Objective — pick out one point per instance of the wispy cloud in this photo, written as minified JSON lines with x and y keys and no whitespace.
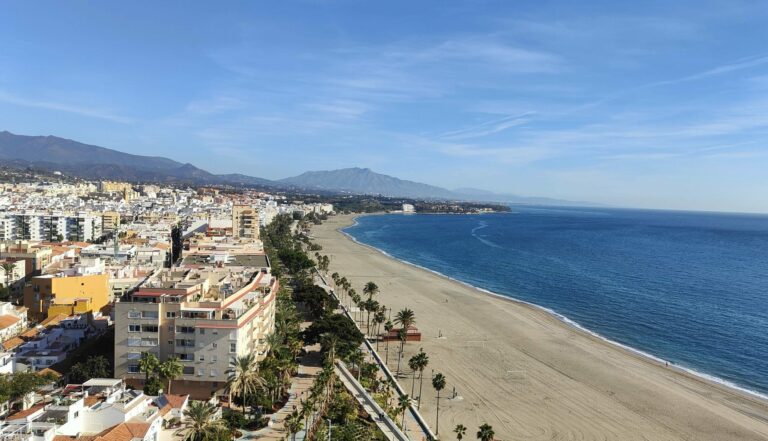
{"x":737,"y":65}
{"x":489,"y":127}
{"x":62,"y":107}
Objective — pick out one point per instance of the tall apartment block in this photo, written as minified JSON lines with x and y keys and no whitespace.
{"x":209,"y":310}
{"x":245,"y":222}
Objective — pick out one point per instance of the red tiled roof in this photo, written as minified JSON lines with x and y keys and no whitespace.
{"x":53,"y":321}
{"x":25,"y":413}
{"x":12,"y":343}
{"x":7,"y":320}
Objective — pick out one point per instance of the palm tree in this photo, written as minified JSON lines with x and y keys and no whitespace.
{"x":402,"y":335}
{"x":485,"y":433}
{"x":423,"y":362}
{"x":405,"y":318}
{"x":413,"y":363}
{"x":8,"y":268}
{"x":379,"y":317}
{"x":370,"y":306}
{"x":387,"y":327}
{"x":371,"y":289}
{"x":201,"y":423}
{"x":293,"y":424}
{"x":402,"y":406}
{"x":460,"y":431}
{"x":148,"y":364}
{"x":357,"y":358}
{"x":243,"y":378}
{"x":438,"y":382}
{"x":170,"y":370}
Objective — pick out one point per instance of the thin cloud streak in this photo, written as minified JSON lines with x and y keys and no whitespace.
{"x":61,"y":107}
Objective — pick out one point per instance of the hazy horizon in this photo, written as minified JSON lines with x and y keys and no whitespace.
{"x":648,"y":106}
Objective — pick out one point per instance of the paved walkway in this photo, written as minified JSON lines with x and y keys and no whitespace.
{"x":309,"y":367}
{"x":415,"y":426}
{"x":382,"y":420}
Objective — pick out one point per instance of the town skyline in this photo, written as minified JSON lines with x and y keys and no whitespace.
{"x":579,"y":103}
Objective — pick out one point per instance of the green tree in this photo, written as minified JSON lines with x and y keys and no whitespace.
{"x":485,"y":433}
{"x":93,"y":367}
{"x":422,"y":363}
{"x":438,"y":382}
{"x":170,"y":370}
{"x":243,"y":377}
{"x":371,"y":289}
{"x":402,"y":406}
{"x":148,"y":364}
{"x":460,"y":431}
{"x":8,"y":268}
{"x":348,"y":336}
{"x":293,"y":424}
{"x":201,"y":423}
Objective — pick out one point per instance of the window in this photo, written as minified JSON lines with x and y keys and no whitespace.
{"x":133,"y":355}
{"x":185,"y":329}
{"x":187,"y":357}
{"x":170,"y":328}
{"x":233,"y":335}
{"x":134,"y":328}
{"x":133,"y":369}
{"x":170,"y":314}
{"x":214,"y":372}
{"x":202,"y":331}
{"x":149,"y":328}
{"x":215,"y":345}
{"x":201,"y":358}
{"x":149,"y":342}
{"x":185,"y":343}
{"x":201,"y":344}
{"x":200,"y":372}
{"x":149,"y":314}
{"x":214,"y":358}
{"x":232,"y":348}
{"x":134,"y":314}
{"x":170,"y":342}
{"x":134,"y":342}
{"x":215,"y":332}
{"x":189,"y":370}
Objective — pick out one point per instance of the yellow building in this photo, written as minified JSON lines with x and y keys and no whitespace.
{"x":47,"y":296}
{"x":110,"y":220}
{"x":245,"y":222}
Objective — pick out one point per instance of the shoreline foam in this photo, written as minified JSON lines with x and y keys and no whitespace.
{"x":563,"y":319}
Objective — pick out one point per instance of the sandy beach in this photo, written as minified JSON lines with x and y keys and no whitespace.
{"x":531,"y":376}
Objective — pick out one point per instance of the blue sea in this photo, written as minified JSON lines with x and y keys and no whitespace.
{"x":689,"y":288}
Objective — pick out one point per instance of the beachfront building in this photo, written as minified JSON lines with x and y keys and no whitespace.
{"x":215,"y":306}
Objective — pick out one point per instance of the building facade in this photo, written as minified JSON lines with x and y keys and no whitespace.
{"x":212,"y":308}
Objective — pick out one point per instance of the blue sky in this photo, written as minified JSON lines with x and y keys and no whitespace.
{"x":647,"y":104}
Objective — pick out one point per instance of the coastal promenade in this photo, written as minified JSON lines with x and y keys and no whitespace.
{"x":533,"y":377}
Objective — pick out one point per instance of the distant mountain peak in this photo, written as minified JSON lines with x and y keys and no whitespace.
{"x":361,"y":180}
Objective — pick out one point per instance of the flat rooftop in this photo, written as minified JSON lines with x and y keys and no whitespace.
{"x":246,"y":260}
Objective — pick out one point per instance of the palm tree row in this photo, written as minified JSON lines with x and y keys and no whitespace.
{"x":156,"y":372}
{"x":484,"y":433}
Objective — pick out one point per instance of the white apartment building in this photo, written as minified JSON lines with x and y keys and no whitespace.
{"x":50,"y":226}
{"x":102,"y":409}
{"x":212,"y":308}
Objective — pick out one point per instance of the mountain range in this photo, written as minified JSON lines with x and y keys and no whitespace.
{"x":93,"y":162}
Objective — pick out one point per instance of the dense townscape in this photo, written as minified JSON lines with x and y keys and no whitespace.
{"x":155,"y":312}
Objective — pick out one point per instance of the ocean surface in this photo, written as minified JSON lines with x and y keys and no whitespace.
{"x":689,"y":288}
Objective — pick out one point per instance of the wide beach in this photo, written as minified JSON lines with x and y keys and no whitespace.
{"x":530,"y":375}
